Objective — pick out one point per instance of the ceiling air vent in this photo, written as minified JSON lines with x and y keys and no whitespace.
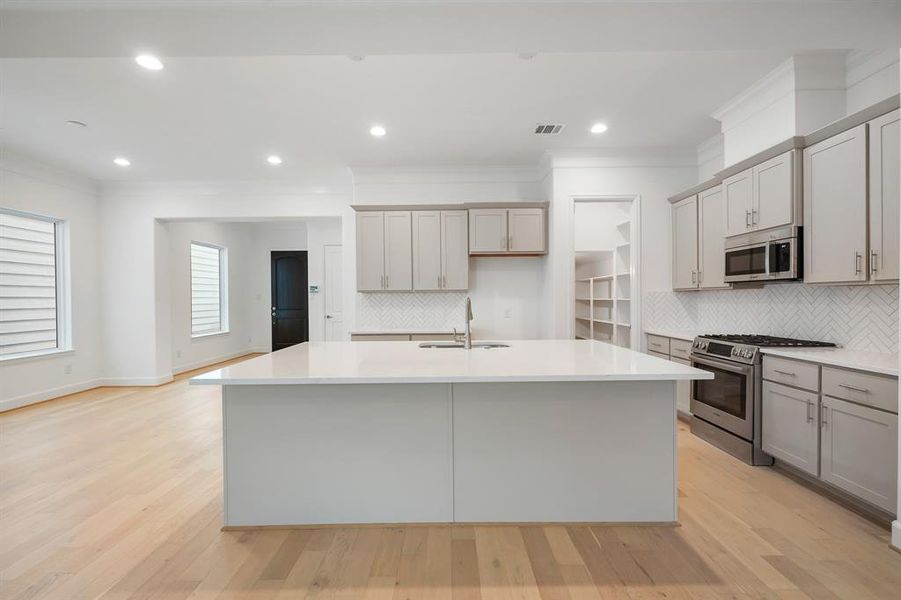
{"x":549,"y":128}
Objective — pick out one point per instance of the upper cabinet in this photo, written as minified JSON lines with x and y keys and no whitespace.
{"x":685,"y":244}
{"x":508,"y":230}
{"x":440,"y":251}
{"x":738,"y":192}
{"x":851,"y":204}
{"x":835,"y":208}
{"x":711,"y":233}
{"x":885,"y":196}
{"x":487,"y":230}
{"x":698,"y":233}
{"x":762,"y":196}
{"x":429,"y":249}
{"x":384,"y":251}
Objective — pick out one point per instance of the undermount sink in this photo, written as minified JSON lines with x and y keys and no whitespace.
{"x":487,"y":345}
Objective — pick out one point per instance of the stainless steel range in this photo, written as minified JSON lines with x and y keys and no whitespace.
{"x":726,"y":409}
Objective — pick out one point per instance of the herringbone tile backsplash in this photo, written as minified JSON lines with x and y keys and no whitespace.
{"x":410,"y":310}
{"x":860,"y":317}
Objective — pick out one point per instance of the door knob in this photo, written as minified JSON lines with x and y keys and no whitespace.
{"x":328,"y":316}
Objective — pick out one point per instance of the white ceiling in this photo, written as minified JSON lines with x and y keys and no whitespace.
{"x":444,"y":78}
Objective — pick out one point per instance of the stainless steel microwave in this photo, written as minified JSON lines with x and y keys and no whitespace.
{"x":773,"y":255}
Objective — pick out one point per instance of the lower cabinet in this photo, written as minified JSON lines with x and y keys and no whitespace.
{"x":860,"y":451}
{"x":789,"y":427}
{"x":850,"y":445}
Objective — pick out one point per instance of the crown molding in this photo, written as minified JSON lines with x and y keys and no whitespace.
{"x":13,"y":161}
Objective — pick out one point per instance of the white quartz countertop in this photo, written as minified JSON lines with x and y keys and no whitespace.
{"x":688,"y":336}
{"x":862,"y":360}
{"x":406,"y":362}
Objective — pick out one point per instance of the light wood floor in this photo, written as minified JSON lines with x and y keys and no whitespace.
{"x":115,"y":493}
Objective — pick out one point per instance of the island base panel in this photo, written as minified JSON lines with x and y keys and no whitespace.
{"x":440,"y":453}
{"x":565,"y":452}
{"x":318,"y":454}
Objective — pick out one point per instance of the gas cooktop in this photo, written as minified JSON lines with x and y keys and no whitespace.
{"x":768,"y":341}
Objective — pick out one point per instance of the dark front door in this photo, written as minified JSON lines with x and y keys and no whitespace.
{"x":290,"y":303}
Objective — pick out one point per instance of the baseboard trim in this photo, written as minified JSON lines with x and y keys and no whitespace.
{"x":51,"y":394}
{"x":896,"y":534}
{"x":212,"y":361}
{"x":67,"y":390}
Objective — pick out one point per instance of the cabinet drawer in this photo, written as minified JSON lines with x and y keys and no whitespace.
{"x":658,"y":344}
{"x":679,"y":349}
{"x":792,"y":372}
{"x":658,"y":355}
{"x":862,"y":388}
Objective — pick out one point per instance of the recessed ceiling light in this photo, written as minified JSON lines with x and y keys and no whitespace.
{"x":122,"y":162}
{"x":274,"y":159}
{"x":599,"y":128}
{"x":377,"y":131}
{"x":149,"y":62}
{"x":74,"y":123}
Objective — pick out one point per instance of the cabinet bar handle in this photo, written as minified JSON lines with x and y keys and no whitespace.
{"x":854,"y":389}
{"x":857,"y":258}
{"x":873,"y":261}
{"x":822,"y":415}
{"x":789,"y":374}
{"x":747,"y":218}
{"x":439,"y":282}
{"x":386,"y":282}
{"x":510,"y":243}
{"x":809,"y":415}
{"x":383,"y":281}
{"x":753,"y":217}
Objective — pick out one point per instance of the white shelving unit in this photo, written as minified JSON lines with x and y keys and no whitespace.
{"x":603,"y":282}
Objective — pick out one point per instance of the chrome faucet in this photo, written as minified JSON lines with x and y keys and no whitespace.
{"x":467,"y":339}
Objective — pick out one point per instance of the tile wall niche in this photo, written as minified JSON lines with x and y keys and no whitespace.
{"x":861,"y":317}
{"x":409,"y":310}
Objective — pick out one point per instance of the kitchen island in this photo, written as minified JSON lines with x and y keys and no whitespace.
{"x":388,"y":432}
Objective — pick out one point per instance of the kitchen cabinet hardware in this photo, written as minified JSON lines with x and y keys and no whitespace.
{"x":786,"y":373}
{"x":857,"y":257}
{"x":854,"y":389}
{"x":873,"y":261}
{"x":823,"y":421}
{"x":747,"y":218}
{"x":809,"y":411}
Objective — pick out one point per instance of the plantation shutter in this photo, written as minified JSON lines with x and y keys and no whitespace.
{"x":28,"y":297}
{"x":206,"y":298}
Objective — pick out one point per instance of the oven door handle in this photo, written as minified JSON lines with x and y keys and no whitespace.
{"x":724,"y":365}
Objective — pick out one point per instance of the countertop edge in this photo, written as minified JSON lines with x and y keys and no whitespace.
{"x":446,"y":380}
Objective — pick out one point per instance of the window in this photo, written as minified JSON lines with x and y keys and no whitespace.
{"x":34,"y":292}
{"x":209,"y":290}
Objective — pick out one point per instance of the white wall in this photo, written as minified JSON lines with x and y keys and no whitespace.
{"x":653,"y":183}
{"x":129,"y":214}
{"x":305,"y":234}
{"x":186,"y":351}
{"x":872,"y":75}
{"x":30,"y":187}
{"x":801,"y":95}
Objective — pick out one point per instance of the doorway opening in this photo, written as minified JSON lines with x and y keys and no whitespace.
{"x":606,"y":282}
{"x":290,"y":299}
